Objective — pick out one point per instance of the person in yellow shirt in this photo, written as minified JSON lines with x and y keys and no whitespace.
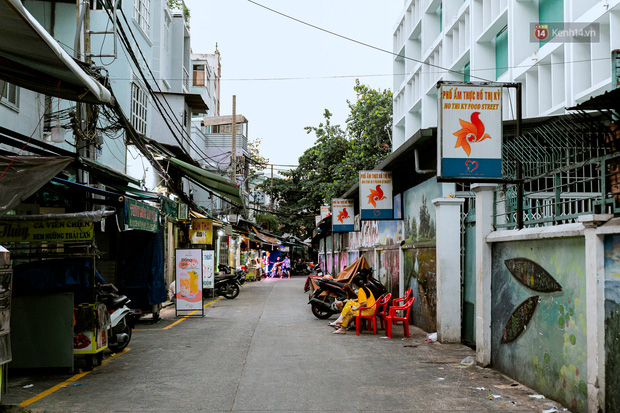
{"x":351,"y":308}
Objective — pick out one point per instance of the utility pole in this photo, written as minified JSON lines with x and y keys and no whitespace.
{"x":233,"y":155}
{"x":271,"y":197}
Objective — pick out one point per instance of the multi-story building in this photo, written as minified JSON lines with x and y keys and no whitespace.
{"x":494,"y":40}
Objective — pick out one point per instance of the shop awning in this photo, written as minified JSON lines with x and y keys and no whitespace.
{"x":266,"y":238}
{"x":31,"y":58}
{"x":25,"y":175}
{"x":213,"y":182}
{"x":193,"y":100}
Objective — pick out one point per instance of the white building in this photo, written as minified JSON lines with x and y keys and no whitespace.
{"x":492,"y":40}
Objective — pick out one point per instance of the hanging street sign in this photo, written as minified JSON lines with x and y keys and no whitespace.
{"x":375,"y":189}
{"x":470,"y":131}
{"x":343,"y":218}
{"x":201,"y":231}
{"x":325,"y":211}
{"x":139,"y":215}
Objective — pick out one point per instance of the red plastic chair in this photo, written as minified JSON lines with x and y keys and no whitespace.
{"x":370,"y":318}
{"x":381,"y":312}
{"x":393,"y":318}
{"x":403,"y":300}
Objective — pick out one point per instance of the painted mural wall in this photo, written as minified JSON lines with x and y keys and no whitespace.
{"x":538,"y":326}
{"x":420,"y":274}
{"x":388,"y":272}
{"x":419,"y":211}
{"x":612,"y":323}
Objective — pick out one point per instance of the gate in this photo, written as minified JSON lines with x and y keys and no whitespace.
{"x":468,"y":266}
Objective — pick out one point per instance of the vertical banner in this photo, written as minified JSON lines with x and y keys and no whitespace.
{"x":208,"y":269}
{"x":317,"y":219}
{"x":376,"y":202}
{"x":470,"y":131}
{"x":343,"y":218}
{"x":201,"y":231}
{"x":325,"y":211}
{"x":188,"y":279}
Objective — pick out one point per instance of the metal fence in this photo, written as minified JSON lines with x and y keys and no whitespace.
{"x":569,"y":168}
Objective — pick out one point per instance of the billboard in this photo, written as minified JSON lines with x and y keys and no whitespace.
{"x":470,"y":131}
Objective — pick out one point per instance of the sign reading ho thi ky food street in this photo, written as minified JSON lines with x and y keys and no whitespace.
{"x":470,"y":131}
{"x":376,"y":202}
{"x":343,"y":218}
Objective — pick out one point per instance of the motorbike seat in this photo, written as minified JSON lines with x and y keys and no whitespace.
{"x":335,"y":283}
{"x":220,"y":277}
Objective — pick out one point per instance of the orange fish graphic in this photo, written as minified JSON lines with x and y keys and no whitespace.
{"x":472,"y":132}
{"x":343,"y":215}
{"x":375,"y":195}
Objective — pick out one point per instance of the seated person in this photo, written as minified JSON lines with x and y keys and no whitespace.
{"x":351,"y":308}
{"x":351,"y":295}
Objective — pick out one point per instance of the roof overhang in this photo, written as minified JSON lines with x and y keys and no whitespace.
{"x":31,"y":58}
{"x":211,"y":181}
{"x":608,"y":100}
{"x":193,"y":100}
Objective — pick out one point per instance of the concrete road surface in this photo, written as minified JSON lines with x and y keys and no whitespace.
{"x":266,"y":352}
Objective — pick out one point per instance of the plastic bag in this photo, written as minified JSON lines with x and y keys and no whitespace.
{"x":432,"y":337}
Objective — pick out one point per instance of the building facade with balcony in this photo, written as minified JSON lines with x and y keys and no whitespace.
{"x":493,"y":40}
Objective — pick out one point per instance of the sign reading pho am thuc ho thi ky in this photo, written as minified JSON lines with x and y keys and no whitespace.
{"x":470,"y":131}
{"x":375,"y":189}
{"x":343,"y":217}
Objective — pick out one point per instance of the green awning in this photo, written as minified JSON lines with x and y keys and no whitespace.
{"x":211,"y":181}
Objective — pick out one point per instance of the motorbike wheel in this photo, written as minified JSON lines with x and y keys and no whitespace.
{"x":319,"y":313}
{"x":232,"y":292}
{"x":122,"y":327}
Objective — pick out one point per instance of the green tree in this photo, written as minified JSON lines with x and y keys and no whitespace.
{"x":258,"y":162}
{"x":330,"y":167}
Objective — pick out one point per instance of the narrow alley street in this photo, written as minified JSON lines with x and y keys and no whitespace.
{"x":265,"y":351}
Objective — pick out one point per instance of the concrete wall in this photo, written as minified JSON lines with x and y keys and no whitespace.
{"x":612,"y":322}
{"x":538,"y":326}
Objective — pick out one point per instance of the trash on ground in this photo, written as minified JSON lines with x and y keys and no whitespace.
{"x":468,"y":361}
{"x":440,"y":378}
{"x":508,"y":386}
{"x":409,"y":345}
{"x":493,"y":396}
{"x":537,"y":396}
{"x":551,"y":410}
{"x":80,"y":384}
{"x":27,"y":386}
{"x":432,"y":337}
{"x":384,"y":337}
{"x":479,"y":388}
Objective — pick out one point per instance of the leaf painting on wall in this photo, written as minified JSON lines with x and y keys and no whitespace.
{"x":519,"y":319}
{"x":532,"y":275}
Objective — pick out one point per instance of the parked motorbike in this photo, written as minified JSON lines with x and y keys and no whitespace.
{"x":119,"y":333}
{"x":301,"y":267}
{"x":239,"y":274}
{"x":226,"y":285}
{"x":322,"y":300}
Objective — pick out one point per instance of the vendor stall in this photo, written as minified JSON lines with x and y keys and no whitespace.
{"x":55,"y":313}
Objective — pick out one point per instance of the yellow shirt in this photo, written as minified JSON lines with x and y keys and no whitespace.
{"x":361,"y":297}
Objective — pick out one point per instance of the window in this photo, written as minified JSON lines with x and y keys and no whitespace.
{"x":501,"y":52}
{"x":550,"y":11}
{"x":9,"y":94}
{"x":139,"y":102}
{"x":466,"y":72}
{"x":199,"y":75}
{"x":142,"y":14}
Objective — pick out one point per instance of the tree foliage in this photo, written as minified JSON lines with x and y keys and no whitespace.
{"x":330,"y":167}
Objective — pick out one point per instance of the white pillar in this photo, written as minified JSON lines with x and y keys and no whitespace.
{"x":484,"y":226}
{"x":595,"y":309}
{"x":448,"y":233}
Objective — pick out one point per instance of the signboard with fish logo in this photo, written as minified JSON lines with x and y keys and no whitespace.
{"x":470,"y":131}
{"x":376,"y":201}
{"x":343,"y":218}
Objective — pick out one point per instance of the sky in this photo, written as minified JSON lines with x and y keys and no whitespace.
{"x":284,"y":73}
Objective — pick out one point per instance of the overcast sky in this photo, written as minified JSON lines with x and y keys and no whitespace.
{"x":285,"y":73}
